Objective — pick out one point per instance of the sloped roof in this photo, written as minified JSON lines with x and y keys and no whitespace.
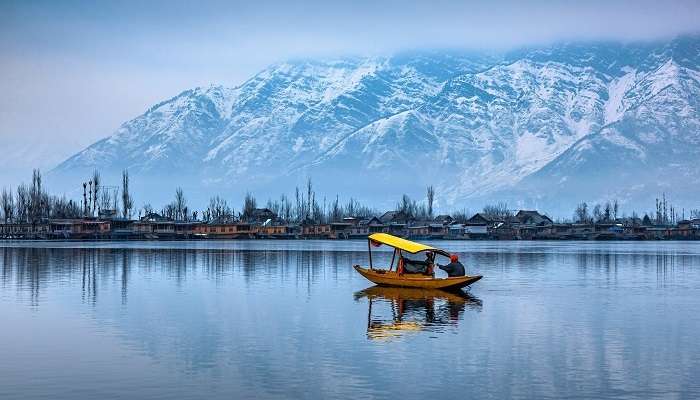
{"x":532,"y":217}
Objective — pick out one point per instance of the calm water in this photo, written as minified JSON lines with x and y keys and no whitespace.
{"x":291,"y":319}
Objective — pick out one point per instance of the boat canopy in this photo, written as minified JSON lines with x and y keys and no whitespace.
{"x":399,"y":243}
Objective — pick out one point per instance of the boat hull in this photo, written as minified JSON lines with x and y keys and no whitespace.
{"x":392,"y":278}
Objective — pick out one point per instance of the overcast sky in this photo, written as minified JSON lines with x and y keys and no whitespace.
{"x":72,"y":72}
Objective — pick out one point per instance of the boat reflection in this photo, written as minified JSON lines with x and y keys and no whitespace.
{"x":394,"y":311}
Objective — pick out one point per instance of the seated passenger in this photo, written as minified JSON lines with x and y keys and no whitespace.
{"x":454,"y":268}
{"x":414,"y":266}
{"x":419,"y":267}
{"x":430,"y":263}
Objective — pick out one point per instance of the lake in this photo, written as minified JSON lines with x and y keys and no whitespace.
{"x":292,"y":319}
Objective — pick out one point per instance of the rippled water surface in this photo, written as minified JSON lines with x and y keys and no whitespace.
{"x":292,"y":319}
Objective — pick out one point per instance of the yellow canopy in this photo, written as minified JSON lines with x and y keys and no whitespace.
{"x":399,"y":243}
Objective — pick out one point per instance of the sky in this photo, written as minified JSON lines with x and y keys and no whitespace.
{"x":71,"y":72}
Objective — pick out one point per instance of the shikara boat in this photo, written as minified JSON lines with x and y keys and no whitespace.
{"x":399,"y":276}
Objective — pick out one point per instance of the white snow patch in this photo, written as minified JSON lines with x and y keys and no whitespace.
{"x":326,"y":143}
{"x":298,"y":145}
{"x":342,"y":80}
{"x":529,"y":148}
{"x":614,"y":107}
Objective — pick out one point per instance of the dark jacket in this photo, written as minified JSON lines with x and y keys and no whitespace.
{"x":453,"y":269}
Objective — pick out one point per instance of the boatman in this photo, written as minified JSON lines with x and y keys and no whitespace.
{"x":454,"y":268}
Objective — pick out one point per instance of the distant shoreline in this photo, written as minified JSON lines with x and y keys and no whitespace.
{"x":4,"y":241}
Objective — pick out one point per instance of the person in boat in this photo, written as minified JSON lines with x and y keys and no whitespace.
{"x":418,"y":266}
{"x":430,"y":263}
{"x":454,"y":268}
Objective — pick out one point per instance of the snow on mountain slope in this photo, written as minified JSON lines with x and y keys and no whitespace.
{"x":167,"y":136}
{"x":478,"y":126}
{"x":653,"y":147}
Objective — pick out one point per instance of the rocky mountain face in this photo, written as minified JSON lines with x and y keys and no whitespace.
{"x":544,"y":127}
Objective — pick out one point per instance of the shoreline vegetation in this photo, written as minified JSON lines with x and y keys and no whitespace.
{"x":108,"y":213}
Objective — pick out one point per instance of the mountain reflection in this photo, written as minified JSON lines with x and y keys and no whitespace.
{"x":413,"y":310}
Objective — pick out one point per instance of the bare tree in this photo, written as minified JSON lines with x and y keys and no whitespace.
{"x":431,"y":198}
{"x":22,"y":203}
{"x":336,"y":211}
{"x":607,"y":212}
{"x":38,"y":200}
{"x":286,"y":206}
{"x":85,"y":202}
{"x":180,"y":204}
{"x":355,"y":209}
{"x":96,"y":184}
{"x":127,"y":200}
{"x":219,"y":210}
{"x":64,"y":208}
{"x":115,"y":202}
{"x":597,"y":214}
{"x":90,"y":198}
{"x":461,"y":216}
{"x":665,"y":209}
{"x":249,"y":204}
{"x":307,"y":210}
{"x":581,"y":213}
{"x":406,"y":206}
{"x":316,"y":210}
{"x":169,"y":211}
{"x":274,"y":206}
{"x":35,"y":197}
{"x":351,"y":208}
{"x":7,"y":204}
{"x":297,"y":205}
{"x":105,"y":200}
{"x":499,"y":210}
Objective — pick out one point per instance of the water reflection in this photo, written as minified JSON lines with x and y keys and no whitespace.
{"x":291,"y":320}
{"x":31,"y":269}
{"x":413,"y":310}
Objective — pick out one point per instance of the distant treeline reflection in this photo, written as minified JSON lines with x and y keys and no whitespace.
{"x":30,"y":269}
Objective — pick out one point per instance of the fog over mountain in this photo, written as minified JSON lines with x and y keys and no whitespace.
{"x":538,"y":127}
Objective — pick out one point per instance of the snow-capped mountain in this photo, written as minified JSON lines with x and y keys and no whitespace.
{"x":537,"y":127}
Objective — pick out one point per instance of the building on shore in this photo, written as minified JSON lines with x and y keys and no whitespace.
{"x":264,"y":224}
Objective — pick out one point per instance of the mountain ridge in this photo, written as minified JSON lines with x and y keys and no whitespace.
{"x":480,"y":127}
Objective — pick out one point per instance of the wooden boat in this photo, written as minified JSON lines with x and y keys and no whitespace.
{"x":393,"y":278}
{"x":399,"y":277}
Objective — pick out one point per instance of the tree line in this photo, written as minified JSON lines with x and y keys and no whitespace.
{"x":30,"y":203}
{"x":664,"y":213}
